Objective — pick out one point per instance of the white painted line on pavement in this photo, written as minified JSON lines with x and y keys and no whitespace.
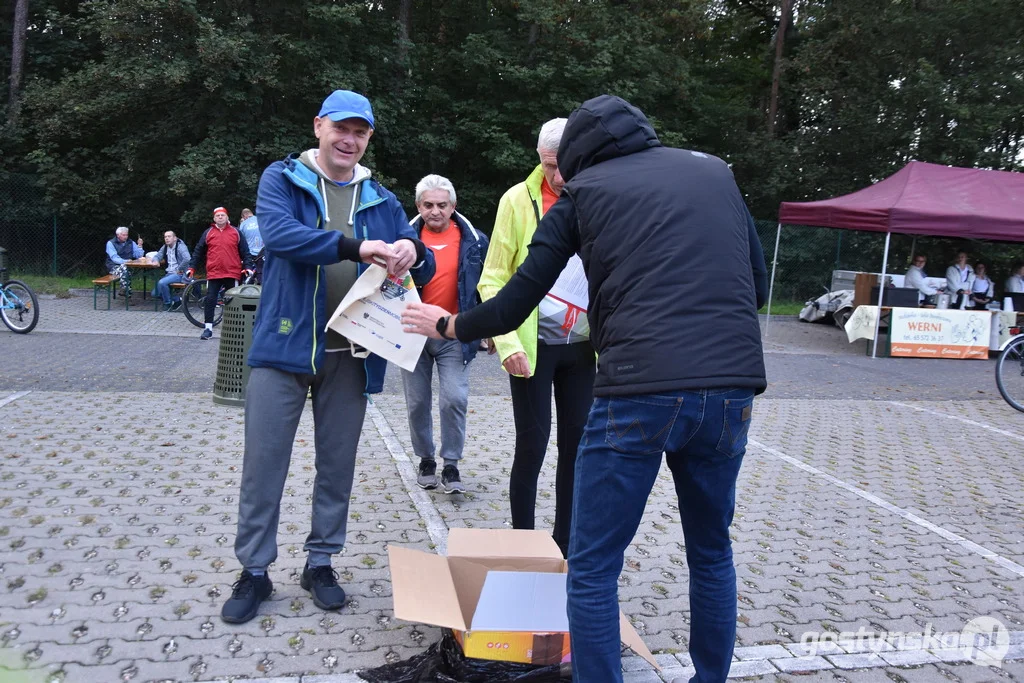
{"x":967,"y":545}
{"x":973,"y":423}
{"x":13,"y":397}
{"x":436,"y":527}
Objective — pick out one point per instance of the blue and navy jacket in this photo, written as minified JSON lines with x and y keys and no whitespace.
{"x":472,"y":252}
{"x":289,"y":333}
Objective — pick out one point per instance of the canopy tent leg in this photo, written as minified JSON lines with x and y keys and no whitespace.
{"x":771,"y":286}
{"x":913,"y":248}
{"x":881,"y":291}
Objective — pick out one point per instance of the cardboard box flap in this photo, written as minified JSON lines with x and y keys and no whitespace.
{"x":501,"y":543}
{"x":632,"y":639}
{"x":533,"y":602}
{"x":469,"y":575}
{"x":423,"y":589}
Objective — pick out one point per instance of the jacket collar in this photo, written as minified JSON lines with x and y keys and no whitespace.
{"x":461,"y":222}
{"x":302,"y":176}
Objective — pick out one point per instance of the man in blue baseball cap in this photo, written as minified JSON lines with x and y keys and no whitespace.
{"x":322,"y":220}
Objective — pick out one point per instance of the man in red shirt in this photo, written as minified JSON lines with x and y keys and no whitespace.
{"x":223,"y":253}
{"x":459,"y":250}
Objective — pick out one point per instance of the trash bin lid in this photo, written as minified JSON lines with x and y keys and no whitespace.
{"x":244,"y":291}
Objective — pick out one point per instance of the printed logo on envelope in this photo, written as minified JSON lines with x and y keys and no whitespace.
{"x":395,"y":287}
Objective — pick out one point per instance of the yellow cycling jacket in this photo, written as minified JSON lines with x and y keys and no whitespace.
{"x":519,"y":211}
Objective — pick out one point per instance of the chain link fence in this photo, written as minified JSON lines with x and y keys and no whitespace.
{"x":42,"y":240}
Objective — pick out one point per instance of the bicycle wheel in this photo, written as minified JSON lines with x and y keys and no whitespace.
{"x":193,"y":303}
{"x":1010,"y":373}
{"x":19,"y":308}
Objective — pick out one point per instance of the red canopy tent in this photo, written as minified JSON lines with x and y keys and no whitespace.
{"x":920,"y":199}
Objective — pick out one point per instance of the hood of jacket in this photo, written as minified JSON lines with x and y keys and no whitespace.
{"x":603,"y":128}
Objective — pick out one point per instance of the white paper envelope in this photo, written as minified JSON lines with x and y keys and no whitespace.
{"x":370,"y":315}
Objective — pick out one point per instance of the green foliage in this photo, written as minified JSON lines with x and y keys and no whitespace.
{"x":151,"y":112}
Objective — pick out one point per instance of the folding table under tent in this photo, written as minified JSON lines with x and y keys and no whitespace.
{"x":919,"y":199}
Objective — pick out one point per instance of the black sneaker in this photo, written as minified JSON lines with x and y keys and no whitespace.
{"x":246,"y":595}
{"x":207,"y":334}
{"x":427,"y":478}
{"x":451,"y":481}
{"x":176,"y":306}
{"x":322,"y":583}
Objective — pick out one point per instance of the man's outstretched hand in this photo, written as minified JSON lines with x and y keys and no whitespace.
{"x":422,"y":319}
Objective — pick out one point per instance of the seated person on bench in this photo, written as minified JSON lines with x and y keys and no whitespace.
{"x":916,"y":278}
{"x":119,"y":250}
{"x":175,"y":253}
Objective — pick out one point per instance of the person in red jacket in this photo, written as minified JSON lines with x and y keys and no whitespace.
{"x":223,"y":253}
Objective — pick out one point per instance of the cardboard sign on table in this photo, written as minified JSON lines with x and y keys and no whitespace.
{"x":370,"y":316}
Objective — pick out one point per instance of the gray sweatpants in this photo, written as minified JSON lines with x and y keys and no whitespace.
{"x":273,"y":406}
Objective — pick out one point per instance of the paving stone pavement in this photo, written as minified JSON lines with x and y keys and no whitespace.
{"x":118,"y":540}
{"x":882,"y":514}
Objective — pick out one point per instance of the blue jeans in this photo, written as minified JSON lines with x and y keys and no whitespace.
{"x":453,"y":381}
{"x":163,"y":287}
{"x":704,"y":436}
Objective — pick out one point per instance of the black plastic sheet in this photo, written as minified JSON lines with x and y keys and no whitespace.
{"x":443,"y":662}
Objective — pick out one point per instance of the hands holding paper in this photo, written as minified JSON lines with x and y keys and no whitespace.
{"x":398,"y":258}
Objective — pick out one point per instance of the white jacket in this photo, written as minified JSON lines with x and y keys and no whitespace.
{"x":915,"y":278}
{"x":1014,"y":284}
{"x":989,"y":290}
{"x":954,"y":281}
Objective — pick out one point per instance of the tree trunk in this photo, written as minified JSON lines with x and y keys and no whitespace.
{"x":17,"y":59}
{"x":780,"y":39}
{"x":404,"y":29}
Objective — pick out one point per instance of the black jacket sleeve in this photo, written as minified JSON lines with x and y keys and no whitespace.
{"x":198,"y":261}
{"x":757,"y":265}
{"x":554,"y":243}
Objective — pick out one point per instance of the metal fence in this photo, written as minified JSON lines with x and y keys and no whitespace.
{"x":41,"y":240}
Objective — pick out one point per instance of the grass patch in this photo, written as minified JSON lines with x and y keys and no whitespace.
{"x":46,"y":284}
{"x":784,"y":307}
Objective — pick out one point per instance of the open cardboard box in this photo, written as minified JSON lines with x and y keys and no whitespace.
{"x":524,"y":616}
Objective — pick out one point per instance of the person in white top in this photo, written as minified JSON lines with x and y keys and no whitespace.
{"x":916,"y":278}
{"x":959,"y":280}
{"x":1015,"y":283}
{"x":982,"y":290}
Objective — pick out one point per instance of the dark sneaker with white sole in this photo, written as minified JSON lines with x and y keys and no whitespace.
{"x":206,"y":334}
{"x":450,"y":480}
{"x":322,"y":583}
{"x":246,"y":595}
{"x":427,"y":477}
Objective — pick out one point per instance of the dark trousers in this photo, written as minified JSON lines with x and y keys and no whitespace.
{"x":703,"y":435}
{"x":569,"y":368}
{"x":213,"y":290}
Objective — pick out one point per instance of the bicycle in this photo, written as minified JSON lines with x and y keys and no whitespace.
{"x":19,"y":307}
{"x":193,"y":299}
{"x":1010,"y":371}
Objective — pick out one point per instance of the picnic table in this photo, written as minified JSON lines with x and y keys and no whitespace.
{"x":141,"y":265}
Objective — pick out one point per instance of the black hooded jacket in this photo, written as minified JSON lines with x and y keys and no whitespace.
{"x":674,"y":266}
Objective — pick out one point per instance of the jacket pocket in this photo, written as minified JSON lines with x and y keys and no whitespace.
{"x":641,"y":425}
{"x":736,"y":414}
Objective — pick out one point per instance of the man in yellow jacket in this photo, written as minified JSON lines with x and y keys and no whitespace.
{"x":550,"y":350}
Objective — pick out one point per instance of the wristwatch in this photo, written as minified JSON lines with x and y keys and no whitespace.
{"x":442,"y":327}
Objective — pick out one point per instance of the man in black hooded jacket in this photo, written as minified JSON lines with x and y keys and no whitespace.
{"x":676,"y":276}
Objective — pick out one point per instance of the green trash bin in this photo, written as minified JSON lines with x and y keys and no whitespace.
{"x":240,"y":305}
{"x":3,"y":265}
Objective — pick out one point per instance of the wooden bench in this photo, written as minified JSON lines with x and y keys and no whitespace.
{"x":108,"y":282}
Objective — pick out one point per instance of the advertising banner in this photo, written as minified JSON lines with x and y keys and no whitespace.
{"x":940,"y":333}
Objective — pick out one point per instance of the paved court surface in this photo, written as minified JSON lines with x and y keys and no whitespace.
{"x":877,"y":498}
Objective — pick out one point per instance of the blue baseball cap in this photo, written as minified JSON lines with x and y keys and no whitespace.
{"x":345,"y":104}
